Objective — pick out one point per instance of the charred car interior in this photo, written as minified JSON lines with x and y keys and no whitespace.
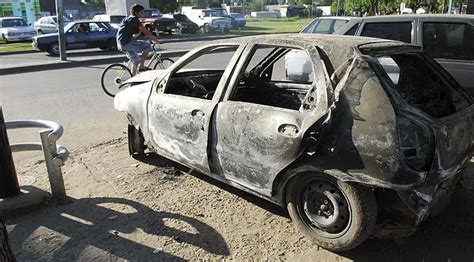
{"x":353,"y":136}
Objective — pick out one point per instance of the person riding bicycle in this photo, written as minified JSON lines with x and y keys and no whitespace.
{"x":126,"y":42}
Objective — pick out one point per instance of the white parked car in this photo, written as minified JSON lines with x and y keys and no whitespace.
{"x":15,"y":29}
{"x":49,"y":24}
{"x":114,"y":20}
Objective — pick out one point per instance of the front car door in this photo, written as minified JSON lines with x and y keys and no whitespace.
{"x":97,"y":35}
{"x":181,"y":105}
{"x":75,"y":38}
{"x":260,"y":125}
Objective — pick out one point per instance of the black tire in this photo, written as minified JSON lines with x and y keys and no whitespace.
{"x":111,"y":44}
{"x":206,"y":28}
{"x":136,"y":142}
{"x":6,"y":253}
{"x":113,"y":77}
{"x":163,"y":64}
{"x":335,"y":215}
{"x":53,"y":49}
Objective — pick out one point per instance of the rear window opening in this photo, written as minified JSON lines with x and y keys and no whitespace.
{"x":421,"y":85}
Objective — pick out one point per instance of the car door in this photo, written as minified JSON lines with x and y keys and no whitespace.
{"x":97,"y":35}
{"x":76,"y":39}
{"x":451,"y":43}
{"x":260,"y":126}
{"x":179,"y":111}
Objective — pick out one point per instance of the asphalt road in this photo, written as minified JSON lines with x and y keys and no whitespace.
{"x":38,"y":58}
{"x":72,"y":97}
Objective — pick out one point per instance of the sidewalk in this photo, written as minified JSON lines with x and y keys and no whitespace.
{"x":39,"y":61}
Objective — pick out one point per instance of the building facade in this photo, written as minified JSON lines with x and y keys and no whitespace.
{"x":28,"y":9}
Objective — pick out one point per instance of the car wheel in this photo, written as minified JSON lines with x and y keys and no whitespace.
{"x":337,"y":216}
{"x":206,"y":28}
{"x":53,"y":49}
{"x":136,"y":142}
{"x":111,"y":44}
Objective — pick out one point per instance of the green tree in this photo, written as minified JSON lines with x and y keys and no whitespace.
{"x":165,"y":6}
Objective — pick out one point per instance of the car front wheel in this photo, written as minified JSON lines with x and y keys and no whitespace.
{"x":53,"y":48}
{"x":136,"y":142}
{"x":335,"y":215}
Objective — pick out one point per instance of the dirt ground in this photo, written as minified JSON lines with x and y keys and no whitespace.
{"x":121,"y":208}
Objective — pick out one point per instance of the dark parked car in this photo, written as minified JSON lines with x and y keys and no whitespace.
{"x":238,"y":20}
{"x":154,"y":21}
{"x":85,"y":34}
{"x":187,"y":26}
{"x":349,"y":151}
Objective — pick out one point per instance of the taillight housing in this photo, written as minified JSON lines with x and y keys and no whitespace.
{"x":416,"y":144}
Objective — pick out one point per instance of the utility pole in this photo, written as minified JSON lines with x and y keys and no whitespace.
{"x":62,"y":39}
{"x":8,"y":180}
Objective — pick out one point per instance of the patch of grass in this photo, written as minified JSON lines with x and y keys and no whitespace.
{"x":15,"y":46}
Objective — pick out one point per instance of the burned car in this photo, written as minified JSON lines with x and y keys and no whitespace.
{"x":348,"y":149}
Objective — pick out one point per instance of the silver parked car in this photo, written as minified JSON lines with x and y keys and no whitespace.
{"x":15,"y":29}
{"x":49,"y":24}
{"x":337,"y":143}
{"x":447,"y":38}
{"x":326,"y":25}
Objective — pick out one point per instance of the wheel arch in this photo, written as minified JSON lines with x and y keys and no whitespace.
{"x":281,"y":181}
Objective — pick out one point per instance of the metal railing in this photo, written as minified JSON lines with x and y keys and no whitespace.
{"x":54,"y":155}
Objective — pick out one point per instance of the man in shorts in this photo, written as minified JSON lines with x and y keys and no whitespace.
{"x":126,"y":42}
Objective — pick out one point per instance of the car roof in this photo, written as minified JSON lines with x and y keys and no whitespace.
{"x":338,"y":47}
{"x":445,"y":17}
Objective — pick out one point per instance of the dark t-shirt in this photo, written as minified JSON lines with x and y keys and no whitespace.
{"x":127,"y":28}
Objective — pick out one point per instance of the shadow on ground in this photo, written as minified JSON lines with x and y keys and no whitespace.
{"x":447,"y":237}
{"x":156,"y":160}
{"x":68,"y":232}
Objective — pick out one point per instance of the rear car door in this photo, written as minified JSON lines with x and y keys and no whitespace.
{"x":261,"y":123}
{"x":181,"y":107}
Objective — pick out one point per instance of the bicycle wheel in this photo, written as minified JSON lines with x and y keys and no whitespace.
{"x":163,"y":63}
{"x":113,"y":78}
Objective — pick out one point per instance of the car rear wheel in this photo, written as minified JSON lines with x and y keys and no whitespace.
{"x":53,"y":48}
{"x":337,"y":216}
{"x":111,"y":44}
{"x":163,"y":63}
{"x":136,"y":142}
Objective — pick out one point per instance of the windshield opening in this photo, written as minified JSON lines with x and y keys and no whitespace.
{"x":421,"y":85}
{"x":13,"y":22}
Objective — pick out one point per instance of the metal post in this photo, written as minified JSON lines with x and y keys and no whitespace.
{"x":61,"y":38}
{"x":53,"y":165}
{"x":450,"y":5}
{"x":8,"y":180}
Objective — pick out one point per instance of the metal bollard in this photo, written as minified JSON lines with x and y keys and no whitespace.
{"x":8,"y":180}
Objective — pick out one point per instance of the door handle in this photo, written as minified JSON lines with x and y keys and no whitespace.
{"x":288,"y":130}
{"x":197,"y":112}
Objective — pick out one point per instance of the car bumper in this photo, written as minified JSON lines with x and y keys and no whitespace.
{"x":18,"y":38}
{"x":429,"y":198}
{"x":38,"y":47}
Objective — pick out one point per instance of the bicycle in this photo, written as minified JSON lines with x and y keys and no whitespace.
{"x":115,"y":75}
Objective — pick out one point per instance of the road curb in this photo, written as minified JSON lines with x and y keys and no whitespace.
{"x":164,"y":40}
{"x":72,"y":64}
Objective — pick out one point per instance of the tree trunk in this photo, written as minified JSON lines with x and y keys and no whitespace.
{"x":5,"y":250}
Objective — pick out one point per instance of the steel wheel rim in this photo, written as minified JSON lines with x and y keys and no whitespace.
{"x":325,"y":208}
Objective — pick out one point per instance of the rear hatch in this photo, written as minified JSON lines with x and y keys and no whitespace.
{"x":436,"y":112}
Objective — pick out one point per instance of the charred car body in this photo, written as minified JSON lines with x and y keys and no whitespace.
{"x":349,"y":150}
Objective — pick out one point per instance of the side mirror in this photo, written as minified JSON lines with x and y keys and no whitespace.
{"x":29,"y":24}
